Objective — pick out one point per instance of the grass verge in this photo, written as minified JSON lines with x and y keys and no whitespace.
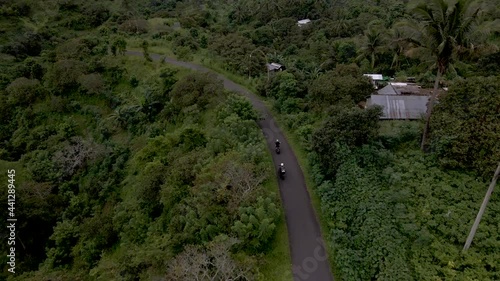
{"x":202,"y":57}
{"x":274,"y":265}
{"x":205,"y":59}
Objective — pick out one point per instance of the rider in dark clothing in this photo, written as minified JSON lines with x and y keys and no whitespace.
{"x":278,"y":143}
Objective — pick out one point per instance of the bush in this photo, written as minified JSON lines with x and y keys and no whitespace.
{"x":31,"y":68}
{"x":73,"y":49}
{"x":257,"y":224}
{"x":23,"y":91}
{"x":196,"y":88}
{"x":183,"y":53}
{"x":21,"y":9}
{"x":118,"y":46}
{"x":28,"y":44}
{"x":182,"y":40}
{"x":348,"y":127}
{"x":134,"y":82}
{"x":96,"y":14}
{"x":235,"y":50}
{"x":192,"y":138}
{"x":138,"y":26}
{"x":464,"y":125}
{"x":40,"y":166}
{"x":238,"y":105}
{"x":288,"y":105}
{"x":64,"y":74}
{"x":330,"y":89}
{"x":92,"y":83}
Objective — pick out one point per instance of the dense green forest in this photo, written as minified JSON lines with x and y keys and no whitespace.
{"x":125,"y":167}
{"x":129,"y":169}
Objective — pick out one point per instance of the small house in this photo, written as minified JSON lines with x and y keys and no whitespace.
{"x":303,"y":22}
{"x":275,"y":67}
{"x":376,"y":79}
{"x":395,"y":88}
{"x":396,"y":106}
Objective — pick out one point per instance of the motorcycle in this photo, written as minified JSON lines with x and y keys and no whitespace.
{"x":281,"y":171}
{"x":278,"y":150}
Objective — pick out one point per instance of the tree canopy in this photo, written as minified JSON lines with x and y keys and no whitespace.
{"x":130,"y":169}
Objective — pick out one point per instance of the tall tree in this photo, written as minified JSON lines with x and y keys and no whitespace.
{"x":397,"y":44}
{"x":443,"y":29}
{"x":373,"y":42}
{"x":464,"y":123}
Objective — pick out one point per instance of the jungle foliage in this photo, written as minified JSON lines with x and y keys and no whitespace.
{"x":394,"y":213}
{"x":132,"y":170}
{"x":125,"y":165}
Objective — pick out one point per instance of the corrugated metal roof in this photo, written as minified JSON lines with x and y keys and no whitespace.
{"x":303,"y":22}
{"x":273,"y":66}
{"x":400,"y":107}
{"x":375,"y":76}
{"x":388,"y":90}
{"x":400,"y":89}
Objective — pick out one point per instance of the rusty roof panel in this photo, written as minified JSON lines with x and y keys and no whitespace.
{"x":399,"y":106}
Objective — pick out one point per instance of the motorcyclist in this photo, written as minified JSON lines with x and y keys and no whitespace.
{"x":281,"y":171}
{"x":277,"y":143}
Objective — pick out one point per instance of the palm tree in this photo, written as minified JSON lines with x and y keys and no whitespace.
{"x":373,"y":42}
{"x":442,"y":29}
{"x":275,"y":57}
{"x":265,"y":10}
{"x":149,"y":104}
{"x":118,"y":117}
{"x":338,"y":19}
{"x":397,"y":44}
{"x":122,"y":114}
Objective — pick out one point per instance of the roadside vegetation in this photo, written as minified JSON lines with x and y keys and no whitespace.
{"x":132,"y":170}
{"x":128,"y":169}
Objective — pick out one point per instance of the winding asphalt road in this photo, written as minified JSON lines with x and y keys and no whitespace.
{"x":309,"y":260}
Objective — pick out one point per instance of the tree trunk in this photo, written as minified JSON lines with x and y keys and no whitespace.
{"x":429,"y":111}
{"x":482,"y":209}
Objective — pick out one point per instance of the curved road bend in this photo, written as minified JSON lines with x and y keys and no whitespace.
{"x":309,"y":261}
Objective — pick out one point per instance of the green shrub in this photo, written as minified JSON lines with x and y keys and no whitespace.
{"x":464,"y":124}
{"x":257,"y":224}
{"x":23,"y":91}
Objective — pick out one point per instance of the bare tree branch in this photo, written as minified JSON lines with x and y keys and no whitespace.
{"x":213,"y":263}
{"x":77,"y":154}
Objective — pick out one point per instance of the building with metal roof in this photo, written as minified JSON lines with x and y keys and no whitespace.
{"x":275,"y":67}
{"x":303,"y":22}
{"x":400,"y":106}
{"x":388,"y":90}
{"x":394,"y":88}
{"x":375,"y":77}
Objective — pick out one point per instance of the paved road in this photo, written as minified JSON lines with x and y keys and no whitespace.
{"x":309,"y":261}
